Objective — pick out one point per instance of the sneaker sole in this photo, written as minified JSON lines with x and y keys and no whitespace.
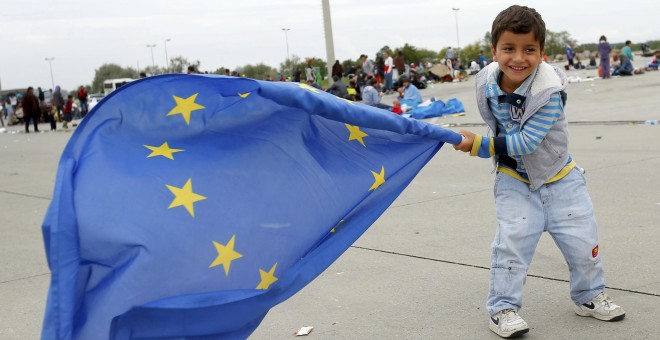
{"x":515,"y":334}
{"x":600,"y":317}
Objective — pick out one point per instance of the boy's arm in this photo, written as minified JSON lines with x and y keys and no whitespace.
{"x":526,"y":140}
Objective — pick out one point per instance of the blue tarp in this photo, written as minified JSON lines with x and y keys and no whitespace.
{"x":437,"y":108}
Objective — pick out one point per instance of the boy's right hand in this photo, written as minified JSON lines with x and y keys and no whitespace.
{"x":466,"y":143}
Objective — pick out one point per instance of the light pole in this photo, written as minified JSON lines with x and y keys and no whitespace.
{"x":50,"y":62}
{"x":167,"y":61}
{"x":286,"y":37}
{"x":458,"y":44}
{"x":153,"y":65}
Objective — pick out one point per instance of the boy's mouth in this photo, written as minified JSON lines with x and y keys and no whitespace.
{"x":517,"y":68}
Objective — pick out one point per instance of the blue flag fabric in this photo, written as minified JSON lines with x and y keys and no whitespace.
{"x":437,"y":108}
{"x":189,"y":205}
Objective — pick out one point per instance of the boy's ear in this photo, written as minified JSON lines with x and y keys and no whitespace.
{"x":492,"y":51}
{"x":542,"y":54}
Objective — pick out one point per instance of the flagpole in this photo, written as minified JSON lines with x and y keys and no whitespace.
{"x":329,"y":45}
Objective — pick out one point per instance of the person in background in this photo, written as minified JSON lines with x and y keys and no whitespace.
{"x":338,"y":88}
{"x":337,"y":69}
{"x":68,"y":111}
{"x":389,"y":69}
{"x":399,"y":66}
{"x":569,"y":56}
{"x":31,"y":110}
{"x":409,"y":91}
{"x":371,"y":97}
{"x":310,"y":73}
{"x":604,"y":50}
{"x":627,"y":51}
{"x":82,"y":97}
{"x":58,"y":101}
{"x":481,"y":60}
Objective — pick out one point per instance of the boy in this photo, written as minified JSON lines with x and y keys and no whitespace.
{"x":538,"y":186}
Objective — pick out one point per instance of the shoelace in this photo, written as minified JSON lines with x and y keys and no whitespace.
{"x":605,"y":299}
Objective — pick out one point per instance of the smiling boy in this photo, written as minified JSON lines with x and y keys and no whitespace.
{"x":538,"y":186}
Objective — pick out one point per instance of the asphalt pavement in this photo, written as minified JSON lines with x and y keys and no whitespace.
{"x":421,"y":271}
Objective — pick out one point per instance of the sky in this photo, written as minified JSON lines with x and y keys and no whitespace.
{"x":83,"y":35}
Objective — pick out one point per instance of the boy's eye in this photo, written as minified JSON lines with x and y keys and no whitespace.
{"x":531,"y":49}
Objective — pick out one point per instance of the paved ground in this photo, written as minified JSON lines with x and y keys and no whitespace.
{"x":421,"y":271}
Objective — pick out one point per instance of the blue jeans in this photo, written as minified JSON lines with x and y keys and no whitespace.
{"x":388,"y":81}
{"x":561,"y":208}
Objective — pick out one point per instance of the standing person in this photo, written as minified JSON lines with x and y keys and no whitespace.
{"x":481,"y":60}
{"x":389,"y":69}
{"x":604,"y":50}
{"x":627,"y":51}
{"x":367,"y":65}
{"x":569,"y":55}
{"x":337,"y":69}
{"x":450,"y":54}
{"x":42,"y":100}
{"x":68,"y":111}
{"x":538,"y":186}
{"x":31,"y":110}
{"x":399,"y":66}
{"x":310,"y":73}
{"x":58,"y":101}
{"x":82,"y":97}
{"x":296,"y":75}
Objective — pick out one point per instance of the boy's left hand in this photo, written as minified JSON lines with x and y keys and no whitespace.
{"x":466,"y":143}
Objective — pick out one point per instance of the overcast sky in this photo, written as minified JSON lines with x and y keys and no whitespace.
{"x":83,"y":35}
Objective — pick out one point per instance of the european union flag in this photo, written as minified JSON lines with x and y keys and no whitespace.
{"x":189,"y":205}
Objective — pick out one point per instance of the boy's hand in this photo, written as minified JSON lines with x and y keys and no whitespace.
{"x":466,"y":143}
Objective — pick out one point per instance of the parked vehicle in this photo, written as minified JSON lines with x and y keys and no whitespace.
{"x":112,"y":84}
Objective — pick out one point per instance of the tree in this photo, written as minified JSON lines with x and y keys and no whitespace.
{"x":258,"y":71}
{"x":555,"y":42}
{"x":470,"y":52}
{"x":110,"y":71}
{"x":179,"y":64}
{"x":288,"y":67}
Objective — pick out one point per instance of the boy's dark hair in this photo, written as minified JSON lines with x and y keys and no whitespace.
{"x":70,"y":96}
{"x":628,"y":42}
{"x":519,"y":19}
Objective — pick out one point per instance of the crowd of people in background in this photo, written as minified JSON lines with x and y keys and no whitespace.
{"x":367,"y":80}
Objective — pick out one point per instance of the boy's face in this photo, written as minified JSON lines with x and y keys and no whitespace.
{"x":518,"y":55}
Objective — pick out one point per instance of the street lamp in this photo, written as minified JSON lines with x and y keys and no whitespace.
{"x":167,"y":61}
{"x":153,"y":65}
{"x":286,"y":37}
{"x":50,"y":62}
{"x":458,"y":44}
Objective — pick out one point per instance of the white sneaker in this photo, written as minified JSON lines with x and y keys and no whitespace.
{"x":602,"y":308}
{"x":508,"y":324}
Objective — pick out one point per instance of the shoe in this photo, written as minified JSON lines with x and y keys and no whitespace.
{"x":602,"y":308}
{"x":508,"y":324}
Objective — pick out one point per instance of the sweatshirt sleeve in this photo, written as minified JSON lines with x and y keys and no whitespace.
{"x":525,"y":140}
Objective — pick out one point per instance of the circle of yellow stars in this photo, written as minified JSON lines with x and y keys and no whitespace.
{"x":185,"y":196}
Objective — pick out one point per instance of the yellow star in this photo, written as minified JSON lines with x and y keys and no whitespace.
{"x":379,"y":179}
{"x":163,"y":150}
{"x":243,"y":95}
{"x":356,"y":134}
{"x":226,"y":254}
{"x":267,"y":278}
{"x":336,"y":226}
{"x":185,"y":197}
{"x":308,"y":88}
{"x":185,"y":106}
